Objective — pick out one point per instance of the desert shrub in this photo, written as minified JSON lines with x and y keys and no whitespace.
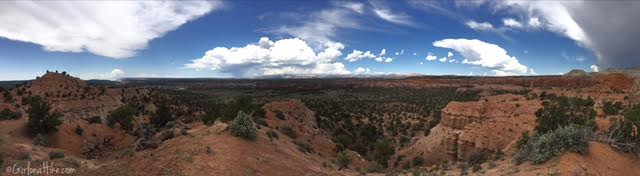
{"x":623,"y":133}
{"x":610,"y":108}
{"x":303,"y":147}
{"x":287,"y":130}
{"x":6,"y":114}
{"x":79,"y":130}
{"x":208,"y":118}
{"x":543,"y":147}
{"x":242,"y":126}
{"x":161,"y":116}
{"x":122,"y":116}
{"x":375,"y":167}
{"x":280,"y":115}
{"x":7,"y":96}
{"x":242,"y":103}
{"x":523,"y":140}
{"x":41,"y":120}
{"x":564,"y":111}
{"x":477,"y":158}
{"x":272,"y":135}
{"x":94,"y":119}
{"x":382,"y":151}
{"x":55,"y":155}
{"x":344,"y":158}
{"x":41,"y":140}
{"x":417,"y":161}
{"x":167,"y":134}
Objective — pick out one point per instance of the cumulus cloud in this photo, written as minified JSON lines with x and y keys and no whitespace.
{"x":361,"y":70}
{"x":117,"y":73}
{"x":113,"y":75}
{"x":116,"y":29}
{"x":443,"y":59}
{"x":594,"y":68}
{"x":477,"y":52}
{"x":359,"y":55}
{"x":285,"y":56}
{"x":449,"y":54}
{"x":430,"y":57}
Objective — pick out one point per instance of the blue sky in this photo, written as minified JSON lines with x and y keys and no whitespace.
{"x":257,"y":38}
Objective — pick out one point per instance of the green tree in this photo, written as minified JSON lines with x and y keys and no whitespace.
{"x":41,"y":120}
{"x":242,"y":126}
{"x":564,"y":111}
{"x":162,"y":116}
{"x":123,"y":116}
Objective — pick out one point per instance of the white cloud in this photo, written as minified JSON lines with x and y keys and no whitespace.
{"x":361,"y":70}
{"x":286,"y":56}
{"x":532,"y":72}
{"x":430,"y":57}
{"x":415,"y":54}
{"x":354,"y":6}
{"x":113,"y":75}
{"x":452,"y":60}
{"x":421,"y":63}
{"x":116,"y":29}
{"x":443,"y":59}
{"x":513,"y":23}
{"x":595,"y":68}
{"x":534,"y":22}
{"x":589,"y":23}
{"x":358,"y":55}
{"x":449,"y":54}
{"x":117,"y":73}
{"x":387,"y":15}
{"x":321,"y":27}
{"x":477,"y":52}
{"x":483,"y":26}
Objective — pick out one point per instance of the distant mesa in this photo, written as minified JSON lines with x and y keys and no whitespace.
{"x":577,"y":72}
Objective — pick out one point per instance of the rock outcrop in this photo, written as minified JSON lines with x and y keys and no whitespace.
{"x":491,"y":124}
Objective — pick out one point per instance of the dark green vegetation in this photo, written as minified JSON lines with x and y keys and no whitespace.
{"x":563,"y":124}
{"x":610,"y":108}
{"x":41,"y":120}
{"x":544,"y":146}
{"x":7,"y":114}
{"x":162,"y":116}
{"x":242,"y":126}
{"x":122,"y":116}
{"x":564,"y":111}
{"x":623,"y":133}
{"x":373,"y":122}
